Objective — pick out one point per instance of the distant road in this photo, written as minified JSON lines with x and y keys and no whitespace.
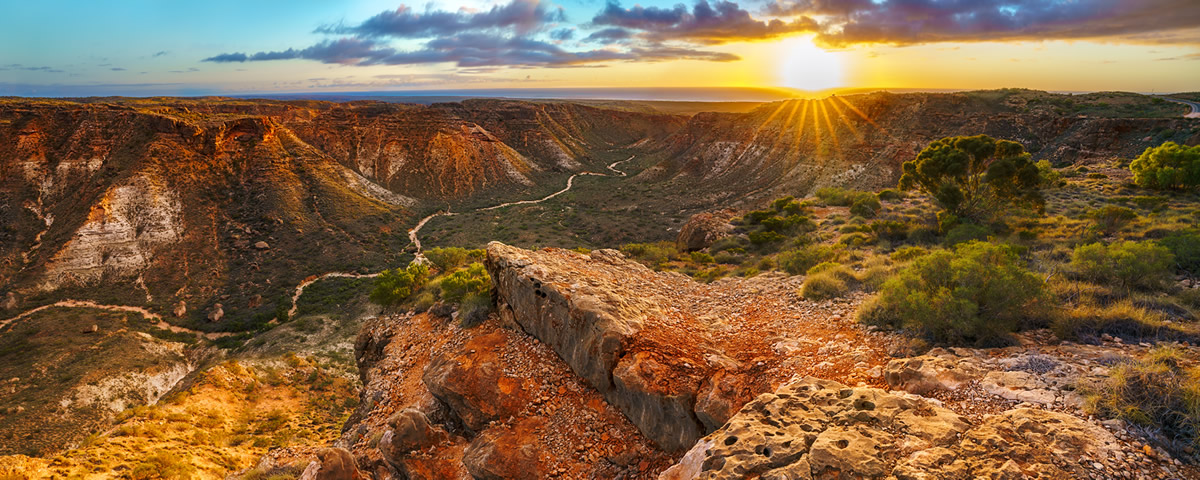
{"x":1195,"y":106}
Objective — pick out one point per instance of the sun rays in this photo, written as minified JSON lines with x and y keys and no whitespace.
{"x":829,"y":116}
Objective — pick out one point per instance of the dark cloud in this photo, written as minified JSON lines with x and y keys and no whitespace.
{"x":710,"y":23}
{"x":522,"y":16}
{"x":117,"y":69}
{"x":609,"y":35}
{"x":159,"y":53}
{"x":17,"y":66}
{"x":905,"y":22}
{"x":563,"y":34}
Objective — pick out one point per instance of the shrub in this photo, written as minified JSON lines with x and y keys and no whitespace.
{"x":727,"y":258}
{"x":799,"y":260}
{"x":396,"y":285}
{"x":1186,"y":248}
{"x":654,"y":254}
{"x":890,"y":195}
{"x":765,"y":237}
{"x":788,"y":205}
{"x":473,"y":280}
{"x":976,"y":294}
{"x":836,"y":270}
{"x":1048,"y":175}
{"x":450,"y":258}
{"x":1129,"y":265}
{"x":1156,"y":391}
{"x":866,"y":206}
{"x":1110,"y":219}
{"x":966,"y":232}
{"x":1167,"y":166}
{"x":904,"y":254}
{"x":890,"y":230}
{"x":823,"y":286}
{"x":854,"y":240}
{"x":701,"y":258}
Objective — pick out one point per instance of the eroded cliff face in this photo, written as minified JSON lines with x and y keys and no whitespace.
{"x":161,"y":201}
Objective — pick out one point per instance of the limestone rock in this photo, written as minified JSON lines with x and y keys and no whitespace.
{"x":261,"y":245}
{"x":332,"y":464}
{"x":180,"y":309}
{"x":216,"y":314}
{"x":814,"y":428}
{"x":410,"y":430}
{"x":704,"y":228}
{"x":506,"y":453}
{"x":10,"y":301}
{"x":473,"y":384}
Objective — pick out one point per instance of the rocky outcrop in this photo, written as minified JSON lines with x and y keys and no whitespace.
{"x":677,"y":357}
{"x":443,"y":402}
{"x":704,"y":228}
{"x":332,"y":464}
{"x":813,"y":428}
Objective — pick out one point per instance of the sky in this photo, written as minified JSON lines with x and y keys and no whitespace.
{"x":159,"y":47}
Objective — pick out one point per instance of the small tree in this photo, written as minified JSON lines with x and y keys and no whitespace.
{"x":394,"y":286}
{"x":1167,"y":166}
{"x":974,"y":177}
{"x":1111,"y":219}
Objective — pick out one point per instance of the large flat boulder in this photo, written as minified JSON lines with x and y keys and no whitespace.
{"x":814,"y":428}
{"x":675,"y":356}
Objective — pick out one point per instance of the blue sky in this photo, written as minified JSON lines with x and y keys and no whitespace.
{"x":144,"y":47}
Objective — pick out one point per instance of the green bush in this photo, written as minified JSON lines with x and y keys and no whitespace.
{"x":833,"y":269}
{"x":396,"y":285}
{"x":473,"y":280}
{"x":1186,"y":248}
{"x":890,"y":195}
{"x":866,"y":206}
{"x":823,"y":286}
{"x":1129,"y":265}
{"x":890,"y":230}
{"x":450,"y":258}
{"x":904,"y":254}
{"x":1157,"y":391}
{"x":966,"y":232}
{"x":977,"y":294}
{"x":799,"y":260}
{"x":701,"y":258}
{"x":1167,"y":166}
{"x":653,"y":254}
{"x":1110,"y":219}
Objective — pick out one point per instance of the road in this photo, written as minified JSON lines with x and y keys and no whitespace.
{"x":1195,"y":106}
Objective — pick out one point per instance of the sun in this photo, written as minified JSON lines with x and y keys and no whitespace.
{"x":805,"y":66}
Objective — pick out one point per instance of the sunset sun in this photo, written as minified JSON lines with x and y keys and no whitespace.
{"x":805,"y":66}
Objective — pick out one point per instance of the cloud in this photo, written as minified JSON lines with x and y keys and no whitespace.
{"x":159,"y":53}
{"x":708,"y":23}
{"x":908,"y":22}
{"x":563,"y":34}
{"x":519,"y":34}
{"x":17,"y":66}
{"x":609,"y":35}
{"x":522,"y":16}
{"x":117,"y":69}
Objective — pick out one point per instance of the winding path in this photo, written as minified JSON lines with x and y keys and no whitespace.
{"x":315,"y":278}
{"x":412,"y":234}
{"x":119,"y":309}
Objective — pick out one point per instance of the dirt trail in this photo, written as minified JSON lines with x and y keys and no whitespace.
{"x":412,"y":234}
{"x":117,"y":308}
{"x":313,"y":279}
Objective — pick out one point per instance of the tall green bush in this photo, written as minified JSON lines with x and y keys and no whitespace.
{"x":1128,"y":264}
{"x":396,"y":285}
{"x":1169,"y":166}
{"x":976,"y":294}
